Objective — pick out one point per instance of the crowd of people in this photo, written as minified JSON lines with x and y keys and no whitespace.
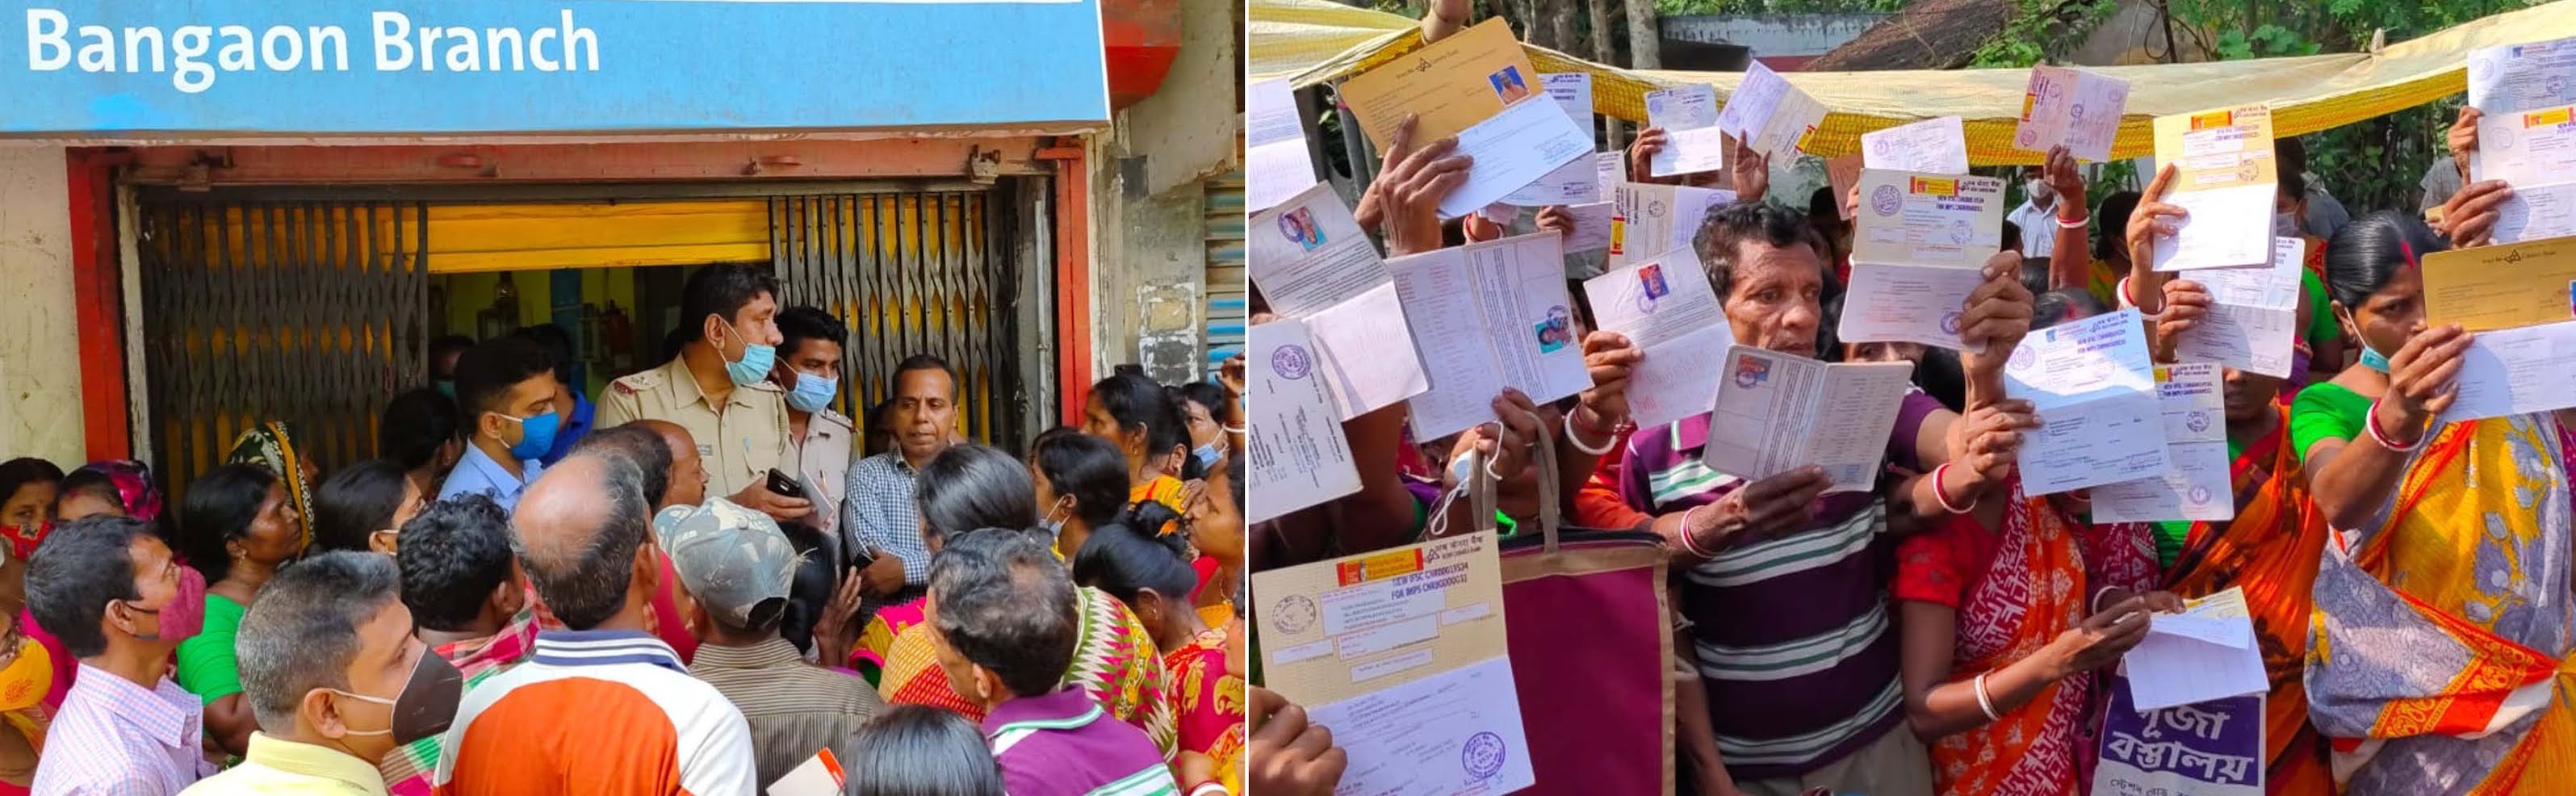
{"x":697,"y":582}
{"x":1945,"y":633}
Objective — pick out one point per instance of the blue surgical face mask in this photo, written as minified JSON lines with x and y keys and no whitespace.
{"x":2371,"y":358}
{"x":1208,"y":453}
{"x":756,"y":361}
{"x":537,"y":434}
{"x":812,"y":393}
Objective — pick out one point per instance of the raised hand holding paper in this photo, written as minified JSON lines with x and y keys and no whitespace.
{"x":1934,"y":146}
{"x":1295,"y":448}
{"x":1692,"y":141}
{"x":1648,"y":218}
{"x":1768,"y":114}
{"x":2072,"y":107}
{"x":2253,"y":313}
{"x":2225,"y":178}
{"x":1313,"y":263}
{"x":1777,"y":412}
{"x":1487,"y":316}
{"x":2199,"y":486}
{"x":1666,"y":308}
{"x":2095,"y":390}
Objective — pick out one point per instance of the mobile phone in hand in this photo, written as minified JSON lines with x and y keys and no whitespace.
{"x":785,"y":485}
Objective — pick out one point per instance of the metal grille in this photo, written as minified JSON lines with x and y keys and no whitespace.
{"x":307,"y":312}
{"x":911,"y":273}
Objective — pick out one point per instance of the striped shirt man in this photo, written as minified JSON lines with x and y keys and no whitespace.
{"x":1791,"y":634}
{"x":597,"y":711}
{"x":794,"y":708}
{"x":116,"y":738}
{"x":1064,"y":744}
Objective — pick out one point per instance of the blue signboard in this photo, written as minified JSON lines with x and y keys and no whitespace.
{"x":526,"y":66}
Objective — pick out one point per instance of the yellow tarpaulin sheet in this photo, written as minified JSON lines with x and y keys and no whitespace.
{"x":1317,"y":41}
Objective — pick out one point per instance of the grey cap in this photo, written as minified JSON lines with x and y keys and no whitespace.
{"x":731,"y":558}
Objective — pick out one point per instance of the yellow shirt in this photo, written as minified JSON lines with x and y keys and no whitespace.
{"x":278,"y":767}
{"x":738,"y":442}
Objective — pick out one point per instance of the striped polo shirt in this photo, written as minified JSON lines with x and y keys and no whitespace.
{"x":1792,"y":634}
{"x":1063,"y":744}
{"x":596,"y":711}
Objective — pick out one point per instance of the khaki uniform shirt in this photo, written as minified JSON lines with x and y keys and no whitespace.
{"x":823,"y":462}
{"x":739,"y":441}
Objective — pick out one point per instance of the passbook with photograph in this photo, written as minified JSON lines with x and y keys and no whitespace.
{"x":1666,"y":307}
{"x":1776,"y":412}
{"x":1313,"y":263}
{"x":1487,"y":316}
{"x":1479,"y":86}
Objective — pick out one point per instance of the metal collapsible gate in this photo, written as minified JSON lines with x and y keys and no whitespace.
{"x":928,"y":272}
{"x":307,"y":312}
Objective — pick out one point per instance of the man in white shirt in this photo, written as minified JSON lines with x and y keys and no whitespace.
{"x":2037,"y":215}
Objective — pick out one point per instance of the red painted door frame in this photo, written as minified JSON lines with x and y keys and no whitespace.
{"x":98,"y":302}
{"x":97,"y":270}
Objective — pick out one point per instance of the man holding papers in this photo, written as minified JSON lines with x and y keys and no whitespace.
{"x":1833,"y":723}
{"x":2452,"y":553}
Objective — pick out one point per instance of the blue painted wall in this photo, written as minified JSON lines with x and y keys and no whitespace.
{"x":675,"y":65}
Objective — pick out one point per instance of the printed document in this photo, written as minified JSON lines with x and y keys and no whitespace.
{"x":1577,"y":182}
{"x":2526,"y":147}
{"x":2516,"y":371}
{"x":2226,"y":180}
{"x":1275,"y":166}
{"x":1665,"y":306}
{"x":2095,"y":391}
{"x":1313,"y":264}
{"x":1465,"y":79}
{"x":2199,"y":486}
{"x":1932,"y":146}
{"x":1487,"y":316}
{"x":1649,"y":219}
{"x":2519,"y":77}
{"x":2206,"y":652}
{"x":1692,"y":141}
{"x":1777,"y":412}
{"x":2537,"y":212}
{"x":1515,"y":148}
{"x":2253,"y":313}
{"x":1403,"y":653}
{"x":1611,"y":168}
{"x":2500,"y":287}
{"x":2073,"y":107}
{"x":1768,"y":114}
{"x":1296,"y":450}
{"x":2209,"y":748}
{"x":1919,"y":248}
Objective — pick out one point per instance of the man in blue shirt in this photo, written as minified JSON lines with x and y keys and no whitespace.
{"x":570,"y":403}
{"x":505,"y":402}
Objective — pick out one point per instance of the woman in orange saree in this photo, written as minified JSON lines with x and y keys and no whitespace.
{"x":2269,"y":550}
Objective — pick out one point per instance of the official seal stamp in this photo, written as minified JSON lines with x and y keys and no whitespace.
{"x":1483,"y":755}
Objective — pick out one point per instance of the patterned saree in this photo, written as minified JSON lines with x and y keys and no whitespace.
{"x":2044,"y":570}
{"x":1208,"y":704}
{"x":2270,"y":550}
{"x":2437,"y":660}
{"x":1113,"y":658}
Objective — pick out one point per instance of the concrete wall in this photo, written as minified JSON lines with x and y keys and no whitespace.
{"x":40,"y":400}
{"x":1149,"y":226}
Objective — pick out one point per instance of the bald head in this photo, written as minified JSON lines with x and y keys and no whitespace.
{"x":688,"y":475}
{"x":578,"y":529}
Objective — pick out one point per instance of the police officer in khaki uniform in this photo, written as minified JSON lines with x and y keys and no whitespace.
{"x":821,"y":440}
{"x":718,"y":388}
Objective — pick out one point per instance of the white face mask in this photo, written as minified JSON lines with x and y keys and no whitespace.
{"x":2285,"y":225}
{"x":2040,"y":191}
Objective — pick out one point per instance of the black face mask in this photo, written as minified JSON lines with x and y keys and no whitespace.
{"x":426,"y":705}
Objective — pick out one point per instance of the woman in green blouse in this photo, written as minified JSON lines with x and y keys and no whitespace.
{"x":237,"y":525}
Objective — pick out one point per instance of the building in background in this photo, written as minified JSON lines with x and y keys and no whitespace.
{"x":220,"y":211}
